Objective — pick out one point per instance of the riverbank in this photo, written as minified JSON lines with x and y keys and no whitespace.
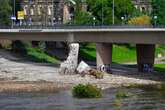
{"x":60,"y":82}
{"x":18,"y":75}
{"x":12,"y":86}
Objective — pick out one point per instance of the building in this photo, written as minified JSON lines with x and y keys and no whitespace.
{"x":42,"y":12}
{"x":143,"y":5}
{"x":51,"y":12}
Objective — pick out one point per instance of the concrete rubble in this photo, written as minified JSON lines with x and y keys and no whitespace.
{"x":69,"y":66}
{"x":83,"y":67}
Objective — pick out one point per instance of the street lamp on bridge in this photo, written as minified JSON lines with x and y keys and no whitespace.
{"x":155,"y":20}
{"x":122,"y":20}
{"x":94,"y":19}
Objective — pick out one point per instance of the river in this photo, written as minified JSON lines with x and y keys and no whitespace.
{"x":139,"y":99}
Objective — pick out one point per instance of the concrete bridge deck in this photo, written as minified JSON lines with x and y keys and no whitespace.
{"x":144,"y":38}
{"x":107,"y":35}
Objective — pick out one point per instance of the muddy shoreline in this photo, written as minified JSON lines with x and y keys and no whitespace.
{"x":32,"y":86}
{"x":51,"y":87}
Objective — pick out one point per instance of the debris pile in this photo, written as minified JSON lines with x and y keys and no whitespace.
{"x":84,"y":69}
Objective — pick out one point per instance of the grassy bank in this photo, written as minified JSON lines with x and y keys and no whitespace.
{"x":121,"y":53}
{"x":36,"y":54}
{"x":159,"y":67}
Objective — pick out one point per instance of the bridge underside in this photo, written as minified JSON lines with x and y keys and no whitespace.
{"x":145,"y":40}
{"x":145,"y":56}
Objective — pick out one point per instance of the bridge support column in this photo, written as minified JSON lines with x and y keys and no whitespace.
{"x":145,"y":57}
{"x":104,"y":56}
{"x":70,"y":64}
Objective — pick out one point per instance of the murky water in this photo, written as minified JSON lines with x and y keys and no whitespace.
{"x":139,"y":100}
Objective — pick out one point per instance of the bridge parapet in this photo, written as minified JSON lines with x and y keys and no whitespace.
{"x":69,"y":26}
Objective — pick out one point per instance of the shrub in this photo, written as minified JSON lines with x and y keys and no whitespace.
{"x":86,"y":91}
{"x":141,"y":20}
{"x":122,"y":95}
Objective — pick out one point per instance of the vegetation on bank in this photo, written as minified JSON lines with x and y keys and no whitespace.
{"x":86,"y":91}
{"x":121,"y":53}
{"x":122,"y":94}
{"x":36,"y":54}
{"x":159,"y":67}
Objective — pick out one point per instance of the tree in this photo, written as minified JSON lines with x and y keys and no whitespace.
{"x":141,"y":20}
{"x":5,"y":12}
{"x":102,"y":10}
{"x":81,"y":16}
{"x":158,"y":7}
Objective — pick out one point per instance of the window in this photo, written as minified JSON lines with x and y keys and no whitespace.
{"x":39,"y":9}
{"x":25,"y":10}
{"x":31,"y":11}
{"x":49,"y":10}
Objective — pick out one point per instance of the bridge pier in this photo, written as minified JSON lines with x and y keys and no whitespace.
{"x":145,"y":56}
{"x":104,"y":56}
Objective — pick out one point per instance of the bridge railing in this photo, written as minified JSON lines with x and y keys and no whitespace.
{"x":69,"y":26}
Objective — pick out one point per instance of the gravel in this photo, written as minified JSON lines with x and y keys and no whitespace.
{"x":14,"y":70}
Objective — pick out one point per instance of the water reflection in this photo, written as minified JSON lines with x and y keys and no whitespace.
{"x":140,"y":100}
{"x":118,"y":104}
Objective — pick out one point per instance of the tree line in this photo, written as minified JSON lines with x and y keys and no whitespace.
{"x":98,"y":12}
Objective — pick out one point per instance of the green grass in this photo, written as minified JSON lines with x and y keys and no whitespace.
{"x":88,"y":51}
{"x":38,"y":55}
{"x":123,"y":54}
{"x":159,"y":67}
{"x":120,"y":53}
{"x":160,"y":49}
{"x":34,"y":54}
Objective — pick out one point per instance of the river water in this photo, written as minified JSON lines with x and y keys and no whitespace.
{"x":139,"y":99}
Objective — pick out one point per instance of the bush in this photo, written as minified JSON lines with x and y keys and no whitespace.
{"x":86,"y":91}
{"x":141,"y":20}
{"x":122,"y":95}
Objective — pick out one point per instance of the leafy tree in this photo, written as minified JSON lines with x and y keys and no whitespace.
{"x":158,"y":7}
{"x":5,"y":12}
{"x":102,"y":10}
{"x":141,"y":20}
{"x":82,"y":17}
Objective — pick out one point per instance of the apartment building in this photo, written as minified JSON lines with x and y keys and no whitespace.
{"x":143,"y":5}
{"x":50,"y":12}
{"x":43,"y":12}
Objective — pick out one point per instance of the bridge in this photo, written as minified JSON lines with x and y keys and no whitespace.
{"x":144,"y":38}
